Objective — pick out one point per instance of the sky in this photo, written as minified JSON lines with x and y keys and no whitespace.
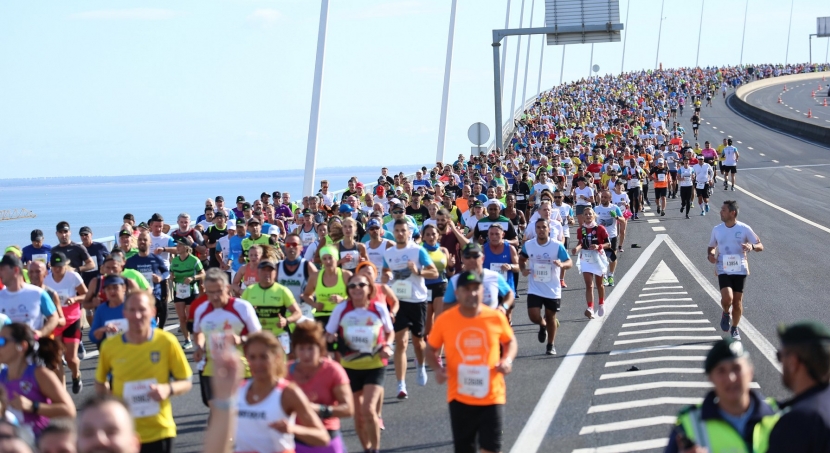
{"x":147,"y":87}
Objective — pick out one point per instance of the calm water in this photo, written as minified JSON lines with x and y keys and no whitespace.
{"x":101,"y":202}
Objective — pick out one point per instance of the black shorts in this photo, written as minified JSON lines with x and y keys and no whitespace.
{"x":660,"y":192}
{"x":704,"y":192}
{"x":159,"y":446}
{"x":412,"y":316}
{"x":70,"y":332}
{"x":578,"y":209}
{"x":482,"y":423}
{"x":612,"y":252}
{"x":566,"y":242}
{"x":735,"y":282}
{"x":436,"y":290}
{"x":673,"y":174}
{"x":360,"y":378}
{"x":204,"y":386}
{"x":186,"y":301}
{"x":729,"y":169}
{"x":534,"y":301}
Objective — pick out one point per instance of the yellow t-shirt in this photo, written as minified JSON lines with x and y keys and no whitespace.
{"x":136,"y":366}
{"x":720,"y":152}
{"x":270,"y":304}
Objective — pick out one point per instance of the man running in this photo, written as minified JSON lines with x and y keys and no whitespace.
{"x":611,"y":217}
{"x":727,"y":249}
{"x":155,"y":270}
{"x":730,"y":163}
{"x":662,"y":180}
{"x":703,"y":174}
{"x":23,"y":302}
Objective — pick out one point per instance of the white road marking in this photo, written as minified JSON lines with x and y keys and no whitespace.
{"x":785,"y":166}
{"x":714,"y":127}
{"x":764,"y":346}
{"x":761,"y":154}
{"x":643,"y":403}
{"x":660,"y":385}
{"x":663,"y":299}
{"x":627,"y":374}
{"x":662,"y":287}
{"x":785,"y":211}
{"x":533,"y":433}
{"x":662,"y":274}
{"x":662,"y":294}
{"x":739,"y":142}
{"x":797,"y":169}
{"x":670,"y":338}
{"x":629,"y":424}
{"x":668,"y":321}
{"x":655,"y":307}
{"x":649,"y":214}
{"x":775,"y":161}
{"x":819,"y":176}
{"x":658,"y":228}
{"x":720,"y":132}
{"x":626,"y":447}
{"x":749,"y":147}
{"x":663,"y":347}
{"x":653,"y":220}
{"x":707,"y":122}
{"x":667,"y":329}
{"x":666,"y":313}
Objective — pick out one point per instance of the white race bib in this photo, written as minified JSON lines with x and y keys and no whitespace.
{"x":732,"y":263}
{"x":137,"y":396}
{"x":42,"y":257}
{"x":360,"y":338}
{"x":633,"y":183}
{"x":701,"y":184}
{"x":307,"y":310}
{"x":474,"y":380}
{"x":542,"y":273}
{"x":496,"y":267}
{"x":121,"y":324}
{"x":661,"y":177}
{"x":182,"y":290}
{"x":63,"y":294}
{"x":285,"y":342}
{"x":520,"y":197}
{"x":354,"y":261}
{"x":588,"y":257}
{"x":403,"y":289}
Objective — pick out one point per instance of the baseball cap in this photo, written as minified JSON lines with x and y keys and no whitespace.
{"x":58,"y":259}
{"x":267,"y":263}
{"x":125,"y":233}
{"x":477,"y":204}
{"x":265,"y":194}
{"x":246,"y":206}
{"x":307,"y":211}
{"x":62,"y":226}
{"x":113,"y":280}
{"x":471,"y":248}
{"x":85,"y":230}
{"x":660,"y":160}
{"x":358,"y":185}
{"x":240,"y":199}
{"x":240,"y":222}
{"x":37,"y":235}
{"x":11,"y":261}
{"x":344,"y":208}
{"x":726,"y":349}
{"x":254,"y":220}
{"x":143,"y":225}
{"x":468,"y":278}
{"x":220,"y":213}
{"x":219,"y":198}
{"x":803,"y":332}
{"x":372,"y":224}
{"x":156,"y":217}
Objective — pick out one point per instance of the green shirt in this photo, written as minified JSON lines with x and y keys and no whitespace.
{"x":182,"y":269}
{"x":269,"y":304}
{"x":138,"y":278}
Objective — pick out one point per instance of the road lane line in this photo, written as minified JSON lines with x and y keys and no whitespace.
{"x":629,"y":424}
{"x":626,"y":447}
{"x":661,"y":287}
{"x":627,"y":374}
{"x":670,"y":338}
{"x":663,"y":347}
{"x":667,"y":329}
{"x":660,"y":385}
{"x":666,"y":313}
{"x":669,"y":321}
{"x":664,"y":299}
{"x":643,"y":403}
{"x":663,"y":293}
{"x":658,"y":228}
{"x":667,"y":358}
{"x":764,"y":346}
{"x":653,"y":220}
{"x":785,"y":211}
{"x":785,"y":166}
{"x":533,"y":433}
{"x":655,"y":307}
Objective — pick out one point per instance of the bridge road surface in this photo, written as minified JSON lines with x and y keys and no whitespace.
{"x":796,"y":101}
{"x":571,"y":402}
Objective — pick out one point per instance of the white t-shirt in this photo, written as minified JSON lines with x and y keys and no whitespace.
{"x":703,"y":172}
{"x":730,"y":156}
{"x":539,"y":187}
{"x":620,"y":199}
{"x":67,"y":287}
{"x":729,"y":241}
{"x":684,"y":175}
{"x":586,"y":192}
{"x":162,"y":240}
{"x":29,"y":305}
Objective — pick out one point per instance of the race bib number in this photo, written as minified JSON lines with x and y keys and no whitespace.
{"x":307,"y":310}
{"x":360,"y":338}
{"x":588,"y":257}
{"x":542,"y":273}
{"x":496,"y":267}
{"x":474,"y":380}
{"x":285,"y":342}
{"x":661,"y":177}
{"x":732,"y":263}
{"x":182,"y":290}
{"x":63,"y":294}
{"x":633,"y":183}
{"x":121,"y":324}
{"x":403,"y":289}
{"x":42,"y":257}
{"x":352,"y":263}
{"x":217,"y":343}
{"x":137,"y":397}
{"x":701,"y":185}
{"x":596,"y":175}
{"x":149,"y":277}
{"x":520,"y":197}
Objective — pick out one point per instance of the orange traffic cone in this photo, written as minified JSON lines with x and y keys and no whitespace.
{"x":809,"y":113}
{"x":779,"y":99}
{"x":819,"y":87}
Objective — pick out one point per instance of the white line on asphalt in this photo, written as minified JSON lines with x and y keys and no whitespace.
{"x":662,"y":274}
{"x":714,"y":127}
{"x":661,"y":287}
{"x":666,"y":313}
{"x":764,"y":346}
{"x":666,"y":321}
{"x":626,"y":447}
{"x":785,"y":211}
{"x":662,"y":294}
{"x":670,"y":338}
{"x":653,"y":220}
{"x":658,"y":228}
{"x":785,"y":166}
{"x":660,"y":385}
{"x":720,"y":132}
{"x":655,"y":307}
{"x":648,"y":214}
{"x":643,"y":403}
{"x":629,"y":424}
{"x":627,"y":374}
{"x":760,"y":154}
{"x":667,"y":329}
{"x":739,"y":142}
{"x":663,"y":299}
{"x":797,"y":169}
{"x":667,"y":358}
{"x":534,"y":431}
{"x":707,"y":122}
{"x":663,"y":347}
{"x":819,"y":176}
{"x":749,"y":147}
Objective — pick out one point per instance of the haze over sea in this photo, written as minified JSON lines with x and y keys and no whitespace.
{"x":101,"y":202}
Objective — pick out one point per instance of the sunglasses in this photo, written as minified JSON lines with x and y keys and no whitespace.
{"x":292,"y":245}
{"x":357,"y":285}
{"x":397,"y":211}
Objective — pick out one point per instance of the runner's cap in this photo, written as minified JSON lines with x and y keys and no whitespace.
{"x":267,"y":263}
{"x":240,"y":222}
{"x":157,"y":218}
{"x":62,"y":226}
{"x":125,"y":233}
{"x":219,"y":198}
{"x":143,"y":225}
{"x":726,"y":349}
{"x":803,"y":332}
{"x":110,"y":280}
{"x":85,"y":230}
{"x":37,"y":235}
{"x":372,"y":224}
{"x":359,"y":185}
{"x":58,"y":259}
{"x":469,"y":278}
{"x":470,"y":249}
{"x":308,"y":212}
{"x":254,"y":220}
{"x":246,"y":206}
{"x":344,"y":208}
{"x":11,"y":261}
{"x":265,"y":194}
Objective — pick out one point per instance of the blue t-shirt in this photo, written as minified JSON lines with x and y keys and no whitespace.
{"x":503,"y":287}
{"x":150,"y":264}
{"x":235,"y":252}
{"x":103,"y":314}
{"x":29,"y":251}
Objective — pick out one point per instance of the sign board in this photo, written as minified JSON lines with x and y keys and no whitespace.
{"x":580,"y":13}
{"x":478,"y":133}
{"x":595,"y":68}
{"x":823,"y":27}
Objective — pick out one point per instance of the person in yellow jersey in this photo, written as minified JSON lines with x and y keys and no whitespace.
{"x":274,"y":304}
{"x":147,"y":367}
{"x":733,"y":417}
{"x":256,"y":236}
{"x":329,"y":288}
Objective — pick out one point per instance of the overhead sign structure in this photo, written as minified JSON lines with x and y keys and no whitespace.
{"x":567,"y":14}
{"x":823,"y":27}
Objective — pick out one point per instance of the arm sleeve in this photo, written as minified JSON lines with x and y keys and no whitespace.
{"x":563,"y":254}
{"x":423,"y":258}
{"x":333,"y":325}
{"x":713,"y":240}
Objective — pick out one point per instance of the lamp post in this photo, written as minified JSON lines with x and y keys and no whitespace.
{"x":527,"y":57}
{"x":445,"y":97}
{"x":625,"y":38}
{"x":659,"y":32}
{"x":787,"y":54}
{"x":516,"y":69}
{"x":699,"y":32}
{"x":314,"y":120}
{"x":743,"y":34}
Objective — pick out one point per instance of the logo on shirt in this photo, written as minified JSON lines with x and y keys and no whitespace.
{"x":26,"y":386}
{"x":155,"y":356}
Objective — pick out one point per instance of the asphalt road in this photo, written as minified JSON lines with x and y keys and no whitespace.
{"x":589,"y":398}
{"x":796,"y":101}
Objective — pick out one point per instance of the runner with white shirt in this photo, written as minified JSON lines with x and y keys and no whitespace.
{"x":583,"y":197}
{"x":543,"y":184}
{"x":377,"y":245}
{"x":592,"y":240}
{"x":620,"y":198}
{"x":730,"y":164}
{"x":611,"y":217}
{"x":703,"y":174}
{"x":70,"y":288}
{"x":727,"y":249}
{"x":685,"y":176}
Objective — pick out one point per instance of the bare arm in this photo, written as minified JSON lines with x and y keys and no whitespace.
{"x":311,"y":432}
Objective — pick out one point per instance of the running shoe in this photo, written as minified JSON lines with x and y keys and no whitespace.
{"x":681,"y":208}
{"x":733,"y":188}
{"x":543,"y":334}
{"x":687,"y":216}
{"x":381,"y":425}
{"x":402,"y":395}
{"x":724,"y":322}
{"x":735,"y":334}
{"x":620,"y":249}
{"x":81,"y":351}
{"x":662,"y":213}
{"x":589,"y":313}
{"x":604,"y":281}
{"x":706,"y":207}
{"x":421,"y":371}
{"x":658,"y":209}
{"x":550,"y":350}
{"x":601,"y":310}
{"x":77,"y":385}
{"x":562,"y":284}
{"x":725,"y":186}
{"x":636,"y":217}
{"x":187,"y":344}
{"x":610,"y":280}
{"x":702,"y":213}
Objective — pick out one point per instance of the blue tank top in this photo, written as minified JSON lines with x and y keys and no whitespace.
{"x":28,"y":387}
{"x":503,"y":257}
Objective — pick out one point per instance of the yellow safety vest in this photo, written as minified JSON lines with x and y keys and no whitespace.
{"x":719,"y":436}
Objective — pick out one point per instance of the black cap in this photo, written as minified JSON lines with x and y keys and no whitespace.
{"x":219,"y":198}
{"x":125,"y":233}
{"x":307,"y":211}
{"x":62,"y":226}
{"x":468,"y":278}
{"x":265,"y":194}
{"x":113,"y":280}
{"x":276,"y":194}
{"x":220,"y":213}
{"x":182,"y":240}
{"x":726,"y":349}
{"x":144,"y":225}
{"x":129,"y":217}
{"x":254,"y":220}
{"x":118,"y":257}
{"x":240,"y":199}
{"x":37,"y":235}
{"x":11,"y":261}
{"x":267,"y":263}
{"x":240,"y":222}
{"x":803,"y":332}
{"x":246,"y":206}
{"x":156,"y":217}
{"x":477,"y":203}
{"x":470,"y":248}
{"x":85,"y":230}
{"x":58,"y":259}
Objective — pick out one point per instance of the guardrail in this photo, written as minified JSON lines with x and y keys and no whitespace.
{"x":809,"y":131}
{"x":509,"y":125}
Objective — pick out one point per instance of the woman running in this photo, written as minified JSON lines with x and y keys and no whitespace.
{"x":329,"y":289}
{"x":435,"y":286}
{"x":186,"y":271}
{"x":71,"y":290}
{"x":592,"y":239}
{"x":247,"y":274}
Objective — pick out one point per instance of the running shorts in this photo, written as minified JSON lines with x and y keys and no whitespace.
{"x":729,"y":169}
{"x":204,"y":386}
{"x":360,"y":378}
{"x":612,"y":252}
{"x":578,"y":209}
{"x":660,"y":192}
{"x":159,"y":446}
{"x":436,"y":290}
{"x":534,"y":301}
{"x":70,"y":333}
{"x":471,"y":423}
{"x":186,"y":301}
{"x":704,"y":192}
{"x":412,"y":316}
{"x":734,"y":282}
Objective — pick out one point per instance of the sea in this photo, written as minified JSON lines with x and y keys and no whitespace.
{"x":100,"y":202}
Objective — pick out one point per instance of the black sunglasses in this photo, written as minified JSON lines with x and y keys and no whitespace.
{"x":357,"y":285}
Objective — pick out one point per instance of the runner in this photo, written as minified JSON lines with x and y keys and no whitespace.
{"x":611,"y":218}
{"x":730,"y":163}
{"x":146,"y":367}
{"x":662,"y":180}
{"x":592,"y":239}
{"x":246,"y":275}
{"x":186,"y":271}
{"x":377,"y":244}
{"x":685,"y":176}
{"x":728,"y":245}
{"x":351,"y":251}
{"x":273,"y":303}
{"x":537,"y":258}
{"x":37,"y":250}
{"x":328,"y":289}
{"x":632,"y":174}
{"x":294,"y":273}
{"x":71,"y":289}
{"x":472,"y":336}
{"x":703,"y":179}
{"x":405,"y":267}
{"x":154,"y":270}
{"x":502,"y":258}
{"x":436,"y":287}
{"x":498,"y":294}
{"x":23,"y":302}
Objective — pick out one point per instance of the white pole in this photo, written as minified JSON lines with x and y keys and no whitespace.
{"x":699,"y":31}
{"x":625,"y":38}
{"x":827,"y":51}
{"x":314,"y":120}
{"x":591,"y":62}
{"x":527,"y":57}
{"x":562,"y":70}
{"x":541,"y":64}
{"x":504,"y":46}
{"x":516,"y":69}
{"x":445,"y":98}
{"x":659,"y":32}
{"x":743,"y":34}
{"x":787,"y":54}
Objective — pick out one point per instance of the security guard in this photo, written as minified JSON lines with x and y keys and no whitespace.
{"x":805,"y":419}
{"x":733,"y":417}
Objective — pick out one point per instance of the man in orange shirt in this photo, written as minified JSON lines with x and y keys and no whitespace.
{"x":473,"y":336}
{"x":662,"y":179}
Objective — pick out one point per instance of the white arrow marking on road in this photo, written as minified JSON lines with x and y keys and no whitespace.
{"x":664,"y":299}
{"x":662,"y":274}
{"x":666,"y":313}
{"x":626,"y":447}
{"x":667,"y":329}
{"x":659,"y":385}
{"x":655,"y":307}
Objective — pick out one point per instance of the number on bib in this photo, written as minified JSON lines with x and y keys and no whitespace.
{"x":732,"y":263}
{"x":182,"y":290}
{"x":496,"y":267}
{"x":474,"y":380}
{"x":137,"y":396}
{"x":403,"y":289}
{"x":285,"y":342}
{"x":542,"y":273}
{"x":361,"y":338}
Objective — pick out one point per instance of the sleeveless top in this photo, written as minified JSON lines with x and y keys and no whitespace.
{"x":253,"y":435}
{"x":494,"y":261}
{"x":353,"y":252}
{"x":296,"y":283}
{"x":440,"y":260}
{"x":26,"y":386}
{"x":250,"y":276}
{"x":307,"y":237}
{"x":323,"y":293}
{"x":376,"y":256}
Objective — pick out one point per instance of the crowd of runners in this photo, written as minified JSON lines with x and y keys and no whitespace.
{"x":309,"y":300}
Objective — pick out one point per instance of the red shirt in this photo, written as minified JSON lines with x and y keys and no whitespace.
{"x":320,"y":387}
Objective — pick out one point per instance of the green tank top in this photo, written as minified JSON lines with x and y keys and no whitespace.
{"x":322,"y":293}
{"x":439,"y":259}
